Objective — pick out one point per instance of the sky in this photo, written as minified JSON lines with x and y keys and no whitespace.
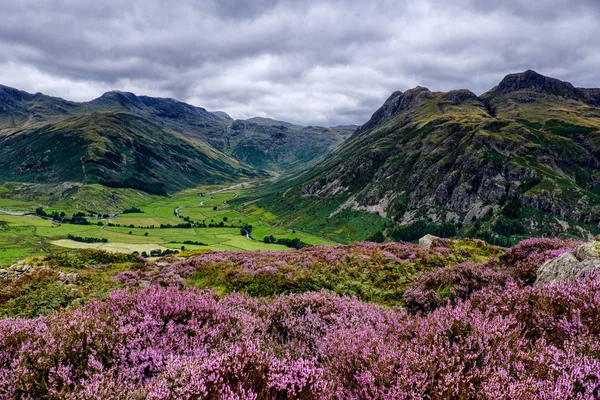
{"x":312,"y":62}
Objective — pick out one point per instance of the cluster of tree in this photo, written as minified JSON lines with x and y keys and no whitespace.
{"x":246,"y":230}
{"x":512,"y":209}
{"x":214,"y":225}
{"x":292,"y":243}
{"x":489,"y":236}
{"x":87,"y":239}
{"x":377,"y":237}
{"x":171,"y":226}
{"x":419,"y":229}
{"x":270,"y":239}
{"x":508,"y":227}
{"x":183,"y":225}
{"x":132,"y":210}
{"x":159,"y":253}
{"x":131,"y":226}
{"x":78,"y":218}
{"x":195,"y":243}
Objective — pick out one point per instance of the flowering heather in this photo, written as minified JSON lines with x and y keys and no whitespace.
{"x":458,"y":281}
{"x":170,"y":343}
{"x":526,"y":257}
{"x":373,"y":272}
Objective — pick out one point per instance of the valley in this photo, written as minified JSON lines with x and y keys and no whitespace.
{"x":24,"y":234}
{"x":299,"y":200}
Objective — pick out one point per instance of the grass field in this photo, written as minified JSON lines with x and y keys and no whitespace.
{"x":22,"y":236}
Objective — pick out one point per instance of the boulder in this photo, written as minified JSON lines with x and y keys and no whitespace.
{"x":427,"y":241}
{"x":569,"y":266}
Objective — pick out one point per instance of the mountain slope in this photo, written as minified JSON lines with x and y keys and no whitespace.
{"x":154,"y":144}
{"x":260,"y":142}
{"x":523,"y":158}
{"x":114,"y":149}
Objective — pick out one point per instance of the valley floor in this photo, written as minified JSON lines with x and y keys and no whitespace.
{"x":23,"y":235}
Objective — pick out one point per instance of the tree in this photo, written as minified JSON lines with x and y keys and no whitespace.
{"x":377,"y":237}
{"x":246,"y":230}
{"x":145,"y":233}
{"x":225,"y":219}
{"x":269,"y":239}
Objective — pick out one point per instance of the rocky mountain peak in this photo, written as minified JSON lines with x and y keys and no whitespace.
{"x":399,"y":102}
{"x":460,"y":96}
{"x":531,"y":80}
{"x":115,"y":97}
{"x":8,"y":93}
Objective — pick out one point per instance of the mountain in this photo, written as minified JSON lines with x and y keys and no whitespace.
{"x":118,"y":140}
{"x":153,"y":144}
{"x":521,"y":159}
{"x":259,"y":142}
{"x":279,"y":146}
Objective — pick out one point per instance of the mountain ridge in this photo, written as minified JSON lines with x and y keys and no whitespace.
{"x":434,"y":159}
{"x":195,"y":145}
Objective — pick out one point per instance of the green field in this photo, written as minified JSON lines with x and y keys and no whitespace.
{"x":22,"y":236}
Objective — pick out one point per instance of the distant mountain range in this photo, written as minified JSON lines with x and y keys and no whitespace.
{"x":153,"y":144}
{"x":521,"y":159}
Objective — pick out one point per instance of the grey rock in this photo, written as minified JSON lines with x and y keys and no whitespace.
{"x":70,"y":278}
{"x":570,"y":266}
{"x":427,"y":241}
{"x":460,"y":96}
{"x":531,"y":80}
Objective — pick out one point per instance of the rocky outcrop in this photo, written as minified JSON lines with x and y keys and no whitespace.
{"x":19,"y":269}
{"x":427,"y":241}
{"x":569,"y":266}
{"x":397,"y":103}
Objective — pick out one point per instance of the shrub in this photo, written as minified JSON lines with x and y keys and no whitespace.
{"x":527,"y":256}
{"x":132,"y":210}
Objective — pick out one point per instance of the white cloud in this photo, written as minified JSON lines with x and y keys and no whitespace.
{"x":312,"y":61}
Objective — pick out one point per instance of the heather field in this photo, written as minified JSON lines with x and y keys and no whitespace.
{"x":456,"y":320}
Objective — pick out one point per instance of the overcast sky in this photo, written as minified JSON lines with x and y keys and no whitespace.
{"x":320,"y":62}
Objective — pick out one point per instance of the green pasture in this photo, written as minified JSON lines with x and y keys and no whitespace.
{"x":24,"y":236}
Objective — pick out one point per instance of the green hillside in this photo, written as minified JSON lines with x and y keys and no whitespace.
{"x":116,"y":149}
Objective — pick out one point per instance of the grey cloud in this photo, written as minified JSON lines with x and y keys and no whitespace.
{"x":312,"y":61}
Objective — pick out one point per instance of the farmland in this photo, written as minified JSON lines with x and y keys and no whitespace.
{"x":28,"y":235}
